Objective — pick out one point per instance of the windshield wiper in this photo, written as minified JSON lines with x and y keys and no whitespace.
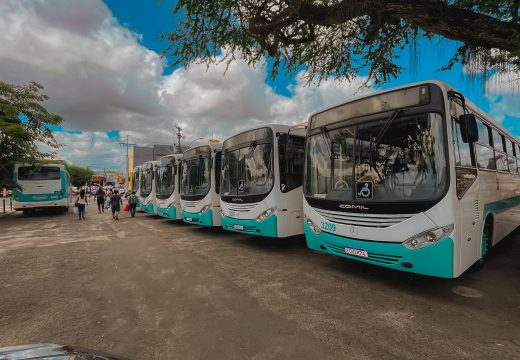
{"x":388,"y":122}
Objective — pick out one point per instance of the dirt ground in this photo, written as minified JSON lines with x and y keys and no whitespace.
{"x":149,"y":288}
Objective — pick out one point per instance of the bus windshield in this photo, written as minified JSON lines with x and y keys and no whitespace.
{"x":247,"y":170}
{"x":403,"y":157}
{"x":164,"y":180}
{"x":146,"y":182}
{"x":29,"y":173}
{"x":135,"y":183}
{"x":196,"y":176}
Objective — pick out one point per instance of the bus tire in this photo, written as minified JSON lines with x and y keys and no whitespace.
{"x":487,"y":237}
{"x":28,"y":212}
{"x":65,"y":208}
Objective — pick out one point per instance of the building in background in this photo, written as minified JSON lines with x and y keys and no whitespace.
{"x":138,"y":155}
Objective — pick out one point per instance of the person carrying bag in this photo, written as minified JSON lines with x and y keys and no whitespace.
{"x":81,"y":202}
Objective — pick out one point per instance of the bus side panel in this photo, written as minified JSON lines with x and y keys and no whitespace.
{"x":504,"y":206}
{"x":294,"y":205}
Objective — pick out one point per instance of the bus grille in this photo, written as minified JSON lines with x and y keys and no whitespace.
{"x":378,"y":258}
{"x":189,"y":204}
{"x":238,"y":207}
{"x":367,"y":220}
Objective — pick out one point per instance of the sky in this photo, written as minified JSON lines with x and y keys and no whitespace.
{"x":101,"y":65}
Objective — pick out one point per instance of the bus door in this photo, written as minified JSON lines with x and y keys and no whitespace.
{"x":467,"y":194}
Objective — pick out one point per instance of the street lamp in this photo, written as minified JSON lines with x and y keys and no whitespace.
{"x":194,"y":141}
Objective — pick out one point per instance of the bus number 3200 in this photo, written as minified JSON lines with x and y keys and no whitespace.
{"x":328,"y":226}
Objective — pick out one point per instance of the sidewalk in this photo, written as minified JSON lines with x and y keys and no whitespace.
{"x":7,"y":207}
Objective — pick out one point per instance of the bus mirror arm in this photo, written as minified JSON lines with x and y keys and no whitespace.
{"x":467,"y":121}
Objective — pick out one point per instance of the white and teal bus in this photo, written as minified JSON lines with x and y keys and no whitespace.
{"x":261,"y":186}
{"x":415,"y":178}
{"x":167,"y":175}
{"x":200,"y":186}
{"x":41,"y":186}
{"x":147,"y":188}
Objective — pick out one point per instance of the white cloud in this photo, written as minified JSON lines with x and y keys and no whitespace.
{"x":99,"y":78}
{"x":94,"y":149}
{"x":503,"y":92}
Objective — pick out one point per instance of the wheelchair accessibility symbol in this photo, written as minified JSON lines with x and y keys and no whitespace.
{"x":364,"y":190}
{"x":241,"y":185}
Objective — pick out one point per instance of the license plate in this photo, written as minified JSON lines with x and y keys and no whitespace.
{"x":238,"y":227}
{"x":356,"y":252}
{"x":41,"y":197}
{"x":189,"y":219}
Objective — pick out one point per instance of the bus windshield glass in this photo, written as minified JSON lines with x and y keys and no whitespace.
{"x":247,"y":170}
{"x":29,"y":173}
{"x":146,"y":181}
{"x":164,"y":180}
{"x":135,"y":183}
{"x":402,"y":156}
{"x":196,"y":176}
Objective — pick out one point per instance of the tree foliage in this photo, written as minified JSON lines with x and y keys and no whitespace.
{"x":79,"y":175}
{"x":23,"y":126}
{"x":341,"y":38}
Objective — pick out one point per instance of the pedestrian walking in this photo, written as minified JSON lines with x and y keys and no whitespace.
{"x":100,"y":199}
{"x":115,"y":203}
{"x":81,"y":202}
{"x":132,"y":201}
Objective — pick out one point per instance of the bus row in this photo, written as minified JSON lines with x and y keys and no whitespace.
{"x":414,"y":178}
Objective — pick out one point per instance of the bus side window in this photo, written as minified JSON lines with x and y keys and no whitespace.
{"x":500,"y":156}
{"x":292,"y":159}
{"x":465,"y":170}
{"x":218,"y":171}
{"x":483,"y":148}
{"x":517,"y":154}
{"x":511,"y":156}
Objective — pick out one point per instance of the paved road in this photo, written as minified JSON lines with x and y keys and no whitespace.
{"x":148,"y":288}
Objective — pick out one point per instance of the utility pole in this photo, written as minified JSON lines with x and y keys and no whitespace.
{"x":127,"y":159}
{"x":179,"y":137}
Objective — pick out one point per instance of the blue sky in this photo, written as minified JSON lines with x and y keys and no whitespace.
{"x":100,"y":64}
{"x":155,"y":17}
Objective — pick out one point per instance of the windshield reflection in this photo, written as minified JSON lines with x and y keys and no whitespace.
{"x":164,"y":180}
{"x":247,"y":171}
{"x":146,"y":182}
{"x":196,"y":176}
{"x":404,"y":160}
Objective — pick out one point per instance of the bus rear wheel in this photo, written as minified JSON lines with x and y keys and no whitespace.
{"x":28,"y":212}
{"x":487,"y":234}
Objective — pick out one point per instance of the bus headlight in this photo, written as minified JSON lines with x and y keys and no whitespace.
{"x":204,"y":209}
{"x":428,"y":237}
{"x":170,"y":206}
{"x":315,"y":229}
{"x":265,"y":214}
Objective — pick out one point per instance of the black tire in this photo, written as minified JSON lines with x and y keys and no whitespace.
{"x":28,"y":212}
{"x":487,"y":237}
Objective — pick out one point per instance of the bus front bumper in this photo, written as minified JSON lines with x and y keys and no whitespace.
{"x":268,"y":227}
{"x":204,"y":219}
{"x":434,"y":260}
{"x":169,"y":213}
{"x":148,"y":208}
{"x":20,"y":205}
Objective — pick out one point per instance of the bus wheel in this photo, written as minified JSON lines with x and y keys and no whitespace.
{"x":486,"y":243}
{"x":65,"y":208}
{"x":28,"y":212}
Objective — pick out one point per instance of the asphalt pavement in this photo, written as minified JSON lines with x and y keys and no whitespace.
{"x":150,"y":288}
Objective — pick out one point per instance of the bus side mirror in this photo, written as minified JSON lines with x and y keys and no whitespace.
{"x":468,"y":128}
